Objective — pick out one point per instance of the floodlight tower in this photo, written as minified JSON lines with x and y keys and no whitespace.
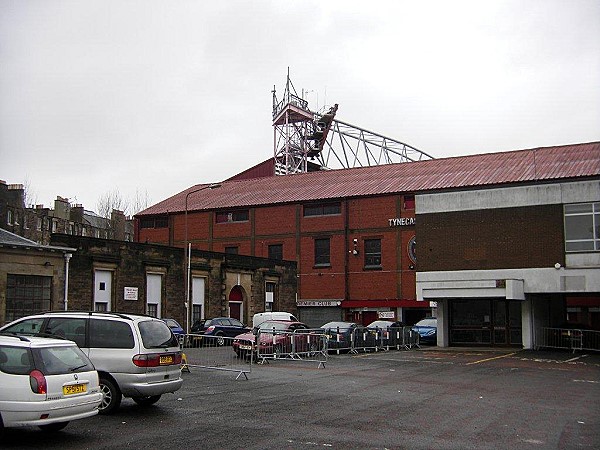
{"x":299,"y":133}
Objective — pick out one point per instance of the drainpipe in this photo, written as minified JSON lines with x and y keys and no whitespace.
{"x":346,"y":250}
{"x":67,"y":258}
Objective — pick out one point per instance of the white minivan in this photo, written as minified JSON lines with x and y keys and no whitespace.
{"x":274,"y":315}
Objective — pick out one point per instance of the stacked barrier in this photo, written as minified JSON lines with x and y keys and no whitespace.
{"x":375,"y":339}
{"x":303,"y":344}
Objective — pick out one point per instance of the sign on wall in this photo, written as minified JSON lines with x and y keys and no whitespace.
{"x":131,"y":293}
{"x":328,"y":303}
{"x":402,"y":221}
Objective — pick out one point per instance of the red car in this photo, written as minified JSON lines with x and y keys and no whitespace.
{"x":276,"y":337}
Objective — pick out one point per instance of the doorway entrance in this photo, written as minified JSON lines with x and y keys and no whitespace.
{"x":236,"y":301}
{"x":487,"y":322}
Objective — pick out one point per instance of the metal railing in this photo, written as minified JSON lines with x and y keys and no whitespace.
{"x":213,"y":352}
{"x":304,"y":344}
{"x":312,"y":345}
{"x":371,"y":339}
{"x":568,"y":339}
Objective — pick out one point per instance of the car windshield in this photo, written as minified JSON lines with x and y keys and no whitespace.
{"x":172,"y":323}
{"x":273,"y":325}
{"x":381,"y":324}
{"x":156,"y":334}
{"x":340,"y":325}
{"x":427,"y":323}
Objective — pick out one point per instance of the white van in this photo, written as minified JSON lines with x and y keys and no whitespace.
{"x":275,"y":315}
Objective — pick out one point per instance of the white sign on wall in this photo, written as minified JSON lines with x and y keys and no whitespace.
{"x":385,"y":314}
{"x":131,"y":293}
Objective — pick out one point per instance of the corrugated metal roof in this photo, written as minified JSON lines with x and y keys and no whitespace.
{"x":522,"y":166}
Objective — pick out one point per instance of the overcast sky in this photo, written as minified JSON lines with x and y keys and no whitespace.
{"x":155,"y":96}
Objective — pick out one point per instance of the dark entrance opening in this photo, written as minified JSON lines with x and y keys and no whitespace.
{"x":487,"y":322}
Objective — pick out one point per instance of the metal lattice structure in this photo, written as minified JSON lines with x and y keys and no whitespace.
{"x":301,"y":135}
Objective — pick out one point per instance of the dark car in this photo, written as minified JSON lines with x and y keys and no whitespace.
{"x":341,"y":335}
{"x":387,"y":332}
{"x":385,"y":325}
{"x":220,"y":327}
{"x":427,"y":329}
{"x":275,"y":337}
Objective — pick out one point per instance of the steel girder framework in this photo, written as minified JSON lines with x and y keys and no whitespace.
{"x":301,"y":134}
{"x":349,"y":146}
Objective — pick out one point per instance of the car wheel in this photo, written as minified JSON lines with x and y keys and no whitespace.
{"x":111,"y":396}
{"x":220,"y":340}
{"x":53,"y":427}
{"x":146,"y":401}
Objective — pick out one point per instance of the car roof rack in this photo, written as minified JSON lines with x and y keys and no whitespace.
{"x":126,"y":316}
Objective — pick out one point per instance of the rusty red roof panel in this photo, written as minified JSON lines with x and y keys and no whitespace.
{"x":522,"y":166}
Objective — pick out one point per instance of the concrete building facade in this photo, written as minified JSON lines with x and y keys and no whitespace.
{"x":502,"y":263}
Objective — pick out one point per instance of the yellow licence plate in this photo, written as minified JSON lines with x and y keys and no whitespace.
{"x":166,"y":360}
{"x":74,"y":389}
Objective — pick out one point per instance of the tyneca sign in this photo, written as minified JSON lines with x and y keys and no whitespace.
{"x":402,"y":222}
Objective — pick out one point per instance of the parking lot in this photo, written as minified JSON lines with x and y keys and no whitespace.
{"x":428,"y":398}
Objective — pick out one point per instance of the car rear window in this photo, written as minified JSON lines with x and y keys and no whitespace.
{"x":61,"y":360}
{"x":49,"y":360}
{"x":156,"y":334}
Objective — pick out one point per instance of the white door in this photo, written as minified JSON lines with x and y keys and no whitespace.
{"x":198,"y":285}
{"x":153,"y":294}
{"x":102,"y":290}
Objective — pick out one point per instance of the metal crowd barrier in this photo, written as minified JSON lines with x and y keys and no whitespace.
{"x":568,"y":339}
{"x":365,"y":339}
{"x":213,"y":352}
{"x":305,"y":345}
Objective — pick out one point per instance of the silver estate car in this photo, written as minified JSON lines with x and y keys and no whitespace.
{"x":45,"y":383}
{"x":136,"y":356}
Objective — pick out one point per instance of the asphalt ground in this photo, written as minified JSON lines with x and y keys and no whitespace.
{"x":419,"y":399}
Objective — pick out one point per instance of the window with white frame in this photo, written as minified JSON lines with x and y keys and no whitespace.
{"x":582,"y":227}
{"x":269,"y":296}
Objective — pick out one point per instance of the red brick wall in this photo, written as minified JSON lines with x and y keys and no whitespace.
{"x":283,"y":224}
{"x":491,"y":239}
{"x":275,"y":220}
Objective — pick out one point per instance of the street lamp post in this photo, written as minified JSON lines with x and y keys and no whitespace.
{"x":188,"y":249}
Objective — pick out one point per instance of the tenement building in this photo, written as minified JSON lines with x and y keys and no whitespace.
{"x":507,"y":242}
{"x":37,"y":223}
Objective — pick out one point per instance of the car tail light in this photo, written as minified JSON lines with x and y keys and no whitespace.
{"x":210,"y":329}
{"x":157,"y":359}
{"x":37,"y":381}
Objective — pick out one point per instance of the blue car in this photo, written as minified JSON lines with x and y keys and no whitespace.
{"x":175,"y":327}
{"x":427,"y":329}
